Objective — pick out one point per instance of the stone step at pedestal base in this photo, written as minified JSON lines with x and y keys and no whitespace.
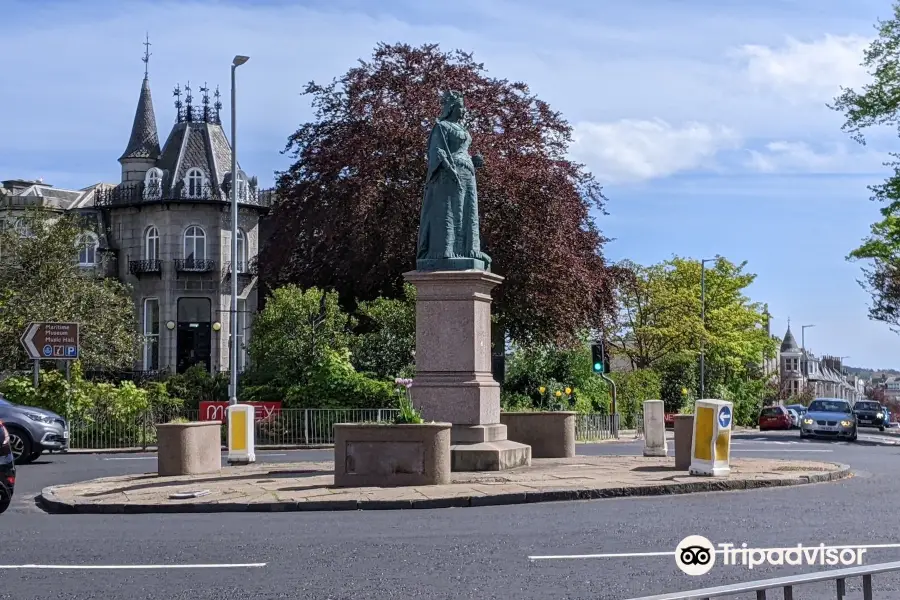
{"x":499,"y":455}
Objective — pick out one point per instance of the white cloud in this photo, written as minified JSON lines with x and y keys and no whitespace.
{"x":800,"y":157}
{"x":807,"y":71}
{"x":634,"y":150}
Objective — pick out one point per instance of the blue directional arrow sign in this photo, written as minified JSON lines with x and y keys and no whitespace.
{"x":724,"y":417}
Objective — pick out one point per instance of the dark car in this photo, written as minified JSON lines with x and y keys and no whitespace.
{"x":829,"y":417}
{"x":871,"y":414}
{"x":7,"y":470}
{"x":774,"y":417}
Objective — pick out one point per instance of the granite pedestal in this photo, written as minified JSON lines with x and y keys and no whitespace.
{"x":453,"y":381}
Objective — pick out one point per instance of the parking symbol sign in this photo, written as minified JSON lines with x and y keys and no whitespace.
{"x":71,"y":351}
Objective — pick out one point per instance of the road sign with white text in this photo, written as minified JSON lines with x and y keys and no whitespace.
{"x":52,"y":341}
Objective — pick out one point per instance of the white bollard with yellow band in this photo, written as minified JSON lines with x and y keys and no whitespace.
{"x":241,"y":434}
{"x":711,"y":445}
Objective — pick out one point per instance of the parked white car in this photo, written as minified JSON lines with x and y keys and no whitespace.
{"x":795,"y":418}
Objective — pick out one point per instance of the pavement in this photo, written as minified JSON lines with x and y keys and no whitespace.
{"x":310,"y":486}
{"x":610,"y":549}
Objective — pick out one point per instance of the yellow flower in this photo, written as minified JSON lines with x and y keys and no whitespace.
{"x":542,"y":389}
{"x":684,"y":391}
{"x":568,"y":391}
{"x":558,"y":393}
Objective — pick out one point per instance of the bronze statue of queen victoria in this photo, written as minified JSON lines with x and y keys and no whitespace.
{"x":449,"y":230}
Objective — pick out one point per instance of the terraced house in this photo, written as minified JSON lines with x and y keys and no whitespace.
{"x":800,"y":370}
{"x":166,"y":230}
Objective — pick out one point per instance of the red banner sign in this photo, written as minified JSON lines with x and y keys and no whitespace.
{"x":216,"y":411}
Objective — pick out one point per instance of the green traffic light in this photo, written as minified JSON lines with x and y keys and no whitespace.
{"x":598,"y":366}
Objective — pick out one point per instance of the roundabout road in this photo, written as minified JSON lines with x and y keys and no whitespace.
{"x":438,"y":554}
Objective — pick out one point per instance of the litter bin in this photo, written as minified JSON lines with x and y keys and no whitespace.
{"x":684,"y":433}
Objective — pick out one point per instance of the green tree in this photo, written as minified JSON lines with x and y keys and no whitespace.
{"x":384,"y":343}
{"x":654,"y":314}
{"x":554,"y":368}
{"x":660,"y":317}
{"x":678,"y":380}
{"x":877,"y":105}
{"x":40,"y":280}
{"x":295,"y":333}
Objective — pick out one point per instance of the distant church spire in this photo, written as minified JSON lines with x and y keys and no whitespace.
{"x":144,"y":140}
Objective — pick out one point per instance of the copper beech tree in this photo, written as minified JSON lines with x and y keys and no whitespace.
{"x":348,"y":211}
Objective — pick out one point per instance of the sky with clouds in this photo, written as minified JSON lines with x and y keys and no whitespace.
{"x":706,"y":120}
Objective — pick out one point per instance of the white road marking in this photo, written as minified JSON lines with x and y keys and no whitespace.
{"x":672,"y":553}
{"x":133,"y":567}
{"x":780,"y":450}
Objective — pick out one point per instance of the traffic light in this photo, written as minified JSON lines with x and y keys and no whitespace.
{"x":599,"y":363}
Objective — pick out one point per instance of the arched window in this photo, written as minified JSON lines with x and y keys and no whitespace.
{"x":194,"y":243}
{"x":87,"y":250}
{"x":23,"y":228}
{"x":153,"y":184}
{"x":151,"y":243}
{"x":241,"y":251}
{"x":193,"y":183}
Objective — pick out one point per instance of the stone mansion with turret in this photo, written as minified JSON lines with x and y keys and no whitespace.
{"x":165,"y":229}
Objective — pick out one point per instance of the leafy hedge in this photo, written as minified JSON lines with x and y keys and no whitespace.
{"x":106,"y":413}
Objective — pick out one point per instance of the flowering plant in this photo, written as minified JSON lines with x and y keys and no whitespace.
{"x":408,"y":413}
{"x":558,"y":399}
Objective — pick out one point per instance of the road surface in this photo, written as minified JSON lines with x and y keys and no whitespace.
{"x":465,"y":553}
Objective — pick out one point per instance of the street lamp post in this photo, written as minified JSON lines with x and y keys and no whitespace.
{"x":238,"y":61}
{"x":803,"y":329}
{"x":703,"y":321}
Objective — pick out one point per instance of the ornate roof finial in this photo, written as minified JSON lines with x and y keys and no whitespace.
{"x":789,"y":322}
{"x":147,"y":56}
{"x":178,"y":103}
{"x":188,"y":100}
{"x":204,"y":89}
{"x":218,"y":104}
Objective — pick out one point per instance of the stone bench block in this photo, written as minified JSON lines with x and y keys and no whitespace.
{"x":385,"y":455}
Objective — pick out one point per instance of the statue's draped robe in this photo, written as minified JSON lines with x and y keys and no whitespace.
{"x":449,"y":226}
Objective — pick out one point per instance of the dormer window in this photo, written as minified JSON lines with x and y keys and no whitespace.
{"x":153,"y":184}
{"x":241,"y":186}
{"x":194,"y":183}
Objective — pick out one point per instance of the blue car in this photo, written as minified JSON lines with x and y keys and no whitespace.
{"x":829,"y":418}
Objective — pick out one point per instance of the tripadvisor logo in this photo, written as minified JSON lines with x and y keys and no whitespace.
{"x":696,"y":555}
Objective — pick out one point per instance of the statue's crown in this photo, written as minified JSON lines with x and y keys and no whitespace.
{"x":450,"y":97}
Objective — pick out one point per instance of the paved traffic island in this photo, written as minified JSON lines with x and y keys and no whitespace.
{"x":309,"y":486}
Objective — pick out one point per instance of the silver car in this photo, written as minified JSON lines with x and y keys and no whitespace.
{"x":33,"y":431}
{"x":829,"y":417}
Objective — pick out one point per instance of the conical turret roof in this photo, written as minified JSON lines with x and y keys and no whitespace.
{"x":144,"y":140}
{"x":789,"y":344}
